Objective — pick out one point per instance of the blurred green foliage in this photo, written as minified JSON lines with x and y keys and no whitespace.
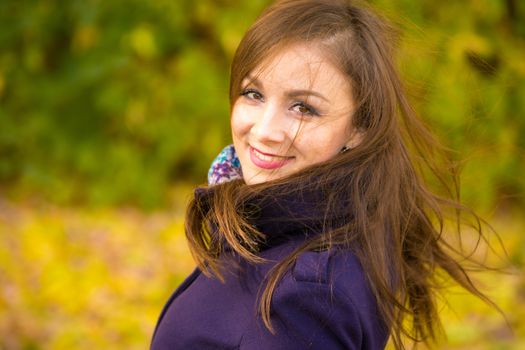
{"x":111,"y":101}
{"x":107,"y":102}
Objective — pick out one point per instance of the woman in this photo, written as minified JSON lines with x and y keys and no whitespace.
{"x":319,"y":231}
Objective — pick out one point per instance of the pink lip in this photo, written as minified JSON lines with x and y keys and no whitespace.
{"x":267,"y":164}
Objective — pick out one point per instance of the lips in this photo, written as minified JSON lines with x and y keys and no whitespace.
{"x":267,"y":160}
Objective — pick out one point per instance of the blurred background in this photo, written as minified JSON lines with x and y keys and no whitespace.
{"x":111,"y":112}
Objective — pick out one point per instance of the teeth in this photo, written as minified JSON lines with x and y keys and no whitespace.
{"x":265,"y":157}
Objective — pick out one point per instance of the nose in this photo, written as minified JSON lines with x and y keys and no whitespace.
{"x":271,"y":125}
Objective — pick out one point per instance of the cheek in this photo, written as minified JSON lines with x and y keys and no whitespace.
{"x":240,"y":121}
{"x":321,"y":142}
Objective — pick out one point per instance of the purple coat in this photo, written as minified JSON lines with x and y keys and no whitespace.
{"x":323,"y":302}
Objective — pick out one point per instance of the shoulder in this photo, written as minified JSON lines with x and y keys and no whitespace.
{"x":328,"y":266}
{"x":325,"y":302}
{"x":340,"y":270}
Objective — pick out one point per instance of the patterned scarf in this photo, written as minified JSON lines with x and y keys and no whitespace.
{"x":225,"y":167}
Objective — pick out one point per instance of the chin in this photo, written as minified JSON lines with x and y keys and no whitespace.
{"x":257,"y":178}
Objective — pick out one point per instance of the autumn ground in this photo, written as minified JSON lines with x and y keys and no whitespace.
{"x":77,"y":278}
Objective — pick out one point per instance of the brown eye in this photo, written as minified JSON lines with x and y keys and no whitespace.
{"x":252,"y":94}
{"x":304,"y":109}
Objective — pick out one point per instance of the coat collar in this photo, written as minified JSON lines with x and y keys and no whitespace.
{"x":285,"y":213}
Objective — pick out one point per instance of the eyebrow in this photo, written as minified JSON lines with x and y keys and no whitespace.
{"x":296,"y":93}
{"x":291,"y":93}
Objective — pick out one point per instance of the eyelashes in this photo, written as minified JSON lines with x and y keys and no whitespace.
{"x":252,"y":94}
{"x":305,"y":109}
{"x":300,"y":107}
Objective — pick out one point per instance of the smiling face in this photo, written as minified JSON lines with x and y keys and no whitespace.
{"x":293,"y":111}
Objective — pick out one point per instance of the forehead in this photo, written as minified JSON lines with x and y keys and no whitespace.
{"x":301,"y":66}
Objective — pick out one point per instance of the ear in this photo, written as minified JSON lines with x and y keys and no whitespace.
{"x":356,"y":138}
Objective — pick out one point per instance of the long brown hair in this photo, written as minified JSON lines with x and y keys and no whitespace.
{"x":398,"y":223}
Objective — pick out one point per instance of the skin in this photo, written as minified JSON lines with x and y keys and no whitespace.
{"x":294,"y":111}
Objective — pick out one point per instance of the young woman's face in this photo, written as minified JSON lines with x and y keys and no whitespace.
{"x":294,"y":111}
